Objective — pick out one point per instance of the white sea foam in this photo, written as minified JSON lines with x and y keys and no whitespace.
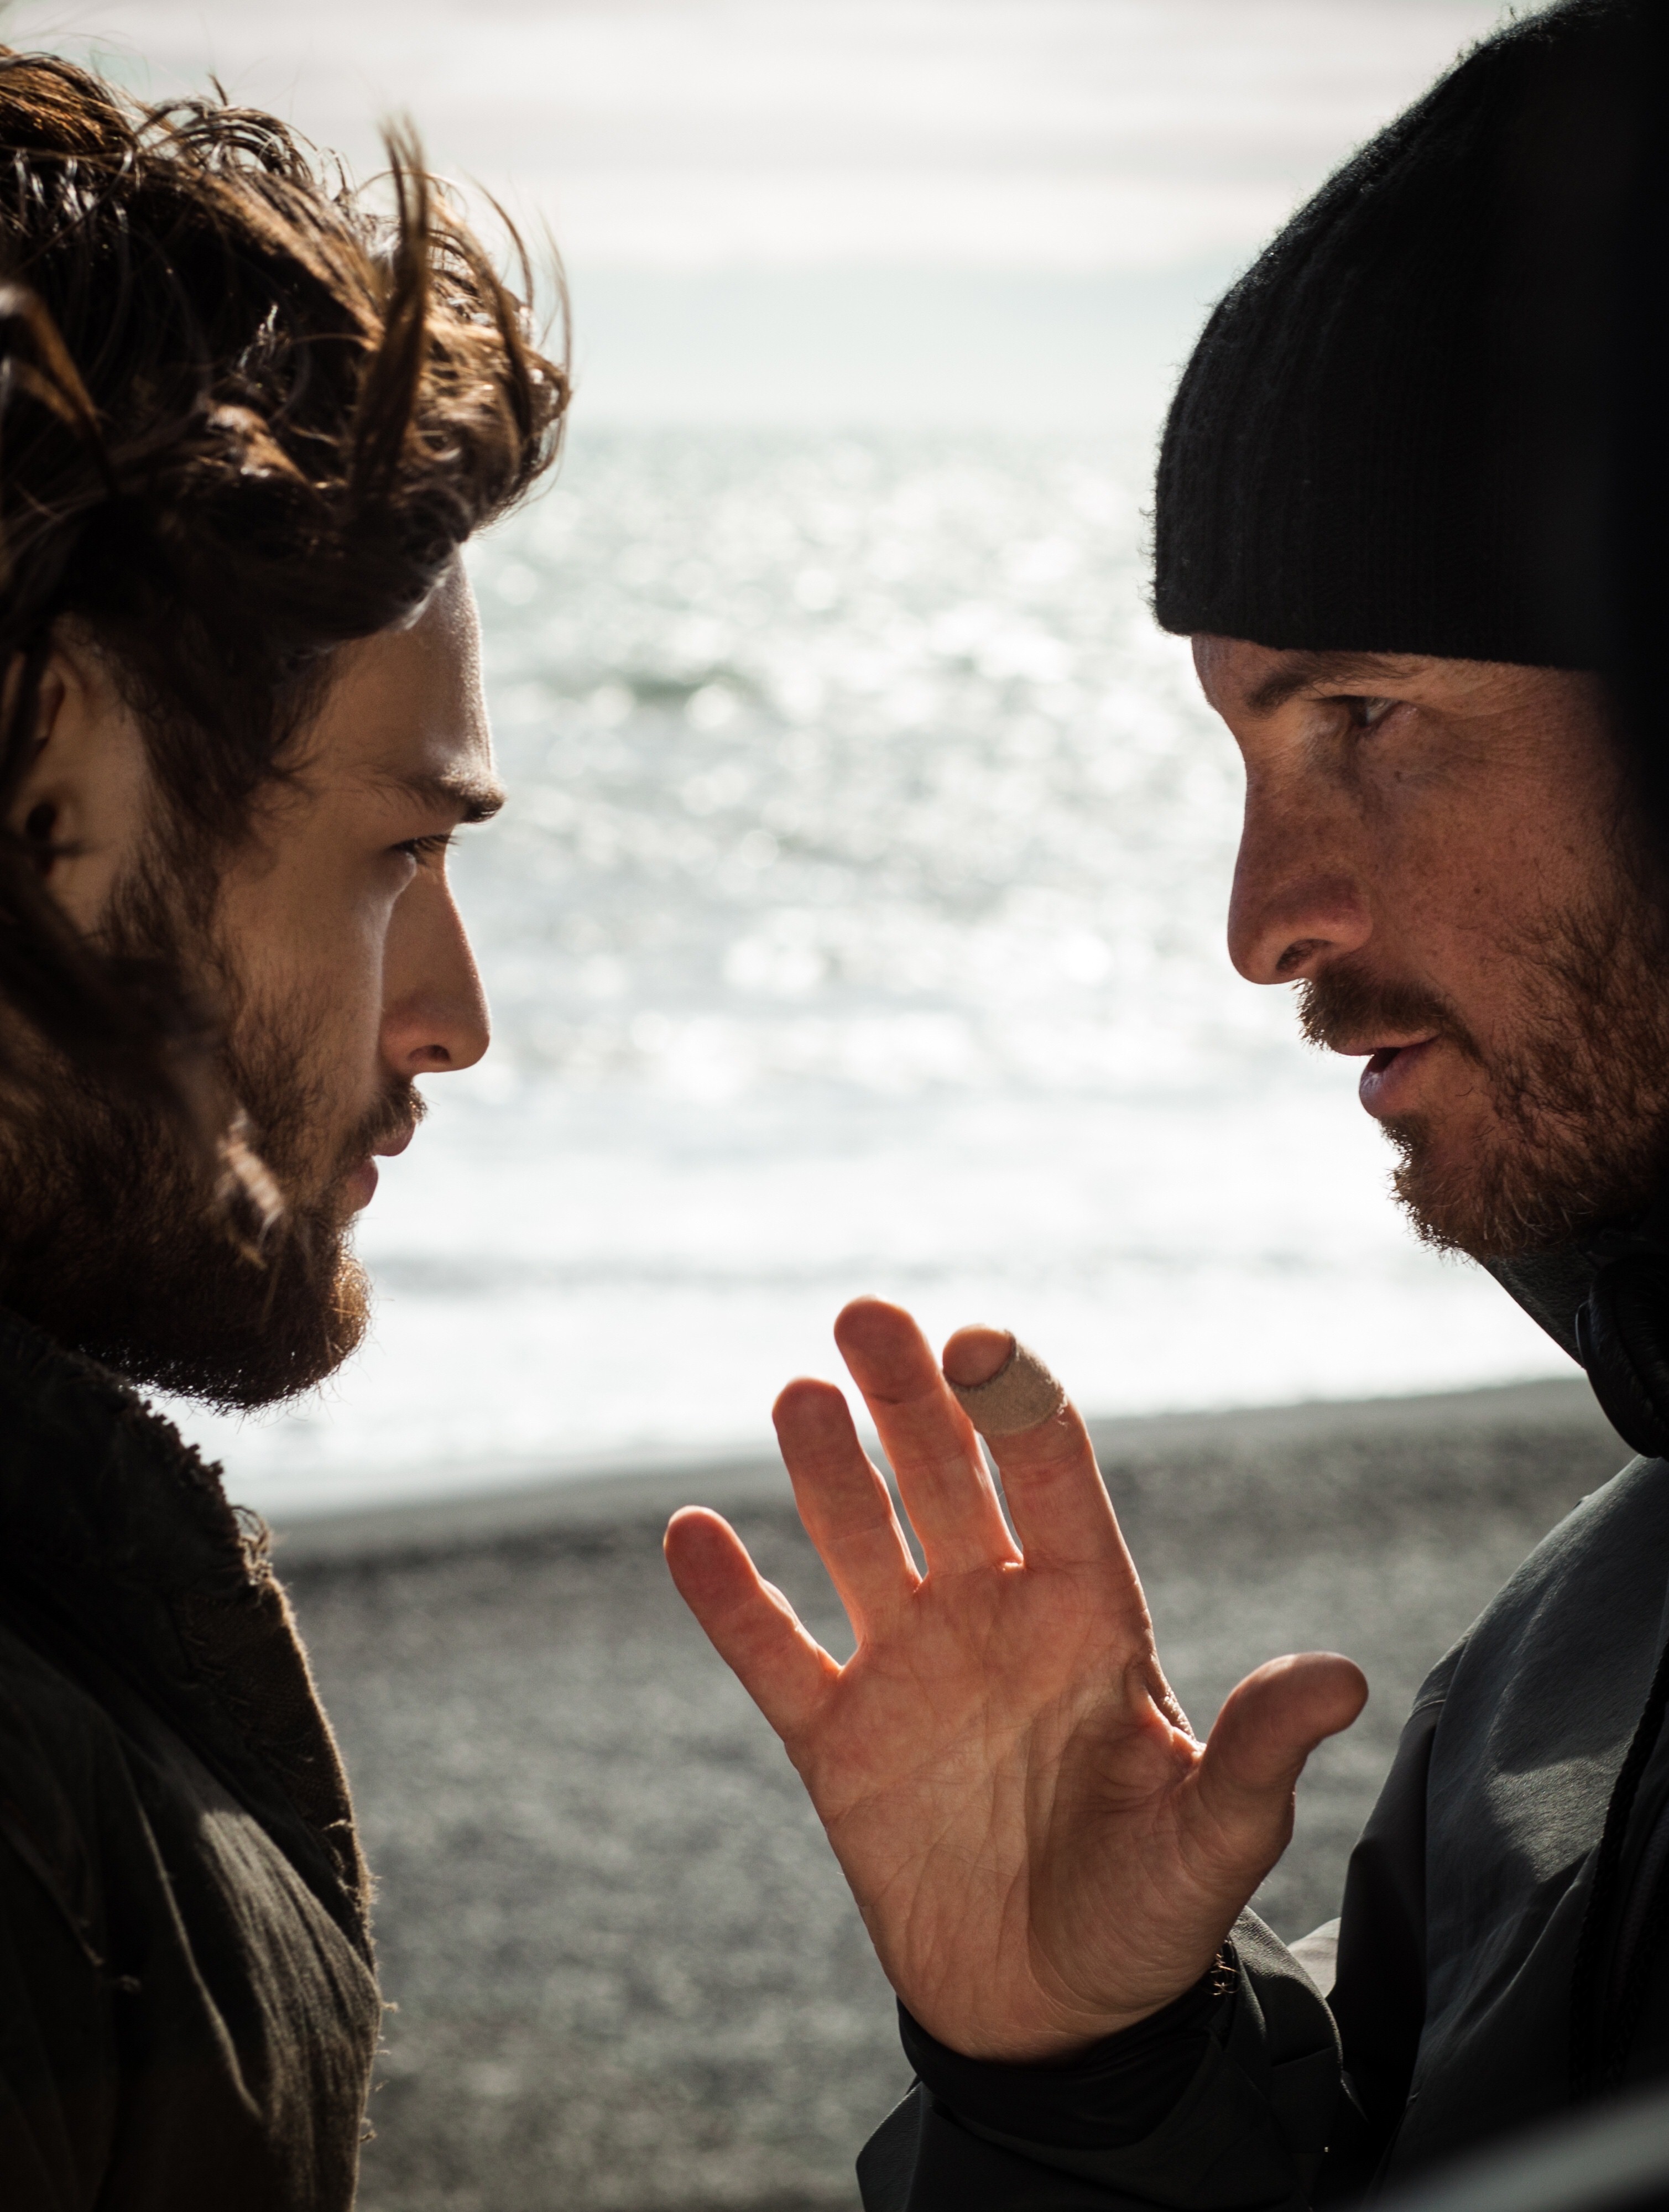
{"x":857,"y":925}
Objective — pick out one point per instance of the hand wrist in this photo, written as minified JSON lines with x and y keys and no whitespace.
{"x":1065,"y":2041}
{"x":1107,"y":2093}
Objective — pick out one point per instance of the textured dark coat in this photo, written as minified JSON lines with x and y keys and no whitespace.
{"x":188,"y":2009}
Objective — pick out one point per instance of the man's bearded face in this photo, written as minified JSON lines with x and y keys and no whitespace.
{"x":1450,"y":859}
{"x":1579,"y":1083}
{"x":328,"y":954}
{"x":127,"y":1243}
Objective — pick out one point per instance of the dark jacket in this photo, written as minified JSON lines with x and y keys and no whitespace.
{"x":1503,"y":1916}
{"x":188,"y":2010}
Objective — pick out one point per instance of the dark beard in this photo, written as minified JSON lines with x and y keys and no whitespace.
{"x":1581,"y":1133}
{"x":125,"y":1243}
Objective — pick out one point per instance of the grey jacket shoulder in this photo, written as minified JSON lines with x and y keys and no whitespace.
{"x":1539,"y":1715}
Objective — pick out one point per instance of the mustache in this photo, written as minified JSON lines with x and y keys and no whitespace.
{"x":401,"y":1107}
{"x":1341,"y":1005}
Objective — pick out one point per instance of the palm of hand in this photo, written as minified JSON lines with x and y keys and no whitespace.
{"x":1041,"y":1850}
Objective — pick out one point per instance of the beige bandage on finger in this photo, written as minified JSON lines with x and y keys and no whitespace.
{"x":1020,"y":1394}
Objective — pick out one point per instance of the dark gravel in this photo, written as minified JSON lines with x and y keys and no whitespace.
{"x":624,"y":1969}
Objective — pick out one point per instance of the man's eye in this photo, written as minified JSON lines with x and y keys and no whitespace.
{"x":423,"y":849}
{"x":1365,"y":714}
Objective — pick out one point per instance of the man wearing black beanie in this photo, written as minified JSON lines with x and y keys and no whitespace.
{"x":1411,"y":510}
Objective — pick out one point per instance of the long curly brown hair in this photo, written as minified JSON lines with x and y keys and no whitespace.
{"x":243,"y":419}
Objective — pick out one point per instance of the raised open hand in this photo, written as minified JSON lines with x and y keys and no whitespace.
{"x":1041,"y":1850}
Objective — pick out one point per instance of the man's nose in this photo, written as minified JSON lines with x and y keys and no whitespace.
{"x":1298,"y":900}
{"x":434,"y":1009}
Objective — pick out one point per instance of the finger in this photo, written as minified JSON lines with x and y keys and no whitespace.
{"x":1268,"y":1727}
{"x":751,"y":1625}
{"x":1056,"y":1498}
{"x":844,"y":1504}
{"x":942,"y":1476}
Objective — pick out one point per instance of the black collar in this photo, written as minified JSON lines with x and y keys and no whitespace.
{"x":1605,"y":1300}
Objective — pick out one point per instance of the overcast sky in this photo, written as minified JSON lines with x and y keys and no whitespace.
{"x":679,"y":135}
{"x":828,"y":212}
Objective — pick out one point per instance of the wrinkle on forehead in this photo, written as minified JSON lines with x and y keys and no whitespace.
{"x":1256,"y":680}
{"x":1309,"y":671}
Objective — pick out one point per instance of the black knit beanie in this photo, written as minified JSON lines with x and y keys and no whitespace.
{"x":1421,"y":422}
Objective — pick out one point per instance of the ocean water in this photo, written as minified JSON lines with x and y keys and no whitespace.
{"x":857,"y":925}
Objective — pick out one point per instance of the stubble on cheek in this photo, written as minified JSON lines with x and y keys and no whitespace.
{"x":1561,"y":1120}
{"x":312,"y":1118}
{"x":123,"y":1236}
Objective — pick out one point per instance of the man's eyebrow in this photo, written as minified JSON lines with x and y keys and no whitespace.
{"x":475,"y":798}
{"x":1299,"y":671}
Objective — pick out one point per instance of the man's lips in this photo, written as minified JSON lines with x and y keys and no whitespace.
{"x":1392,"y":1077}
{"x":360,"y":1185}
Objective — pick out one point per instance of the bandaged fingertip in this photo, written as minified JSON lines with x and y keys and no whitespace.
{"x":1020,"y":1394}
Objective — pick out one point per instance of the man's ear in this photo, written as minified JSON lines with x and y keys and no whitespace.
{"x":82,"y":804}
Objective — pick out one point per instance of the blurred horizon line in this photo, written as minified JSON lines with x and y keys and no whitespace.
{"x":857,"y":346}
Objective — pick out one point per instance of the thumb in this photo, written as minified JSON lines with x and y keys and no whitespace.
{"x":1267,"y":1729}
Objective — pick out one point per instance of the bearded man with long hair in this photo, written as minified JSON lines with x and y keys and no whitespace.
{"x":246,"y":425}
